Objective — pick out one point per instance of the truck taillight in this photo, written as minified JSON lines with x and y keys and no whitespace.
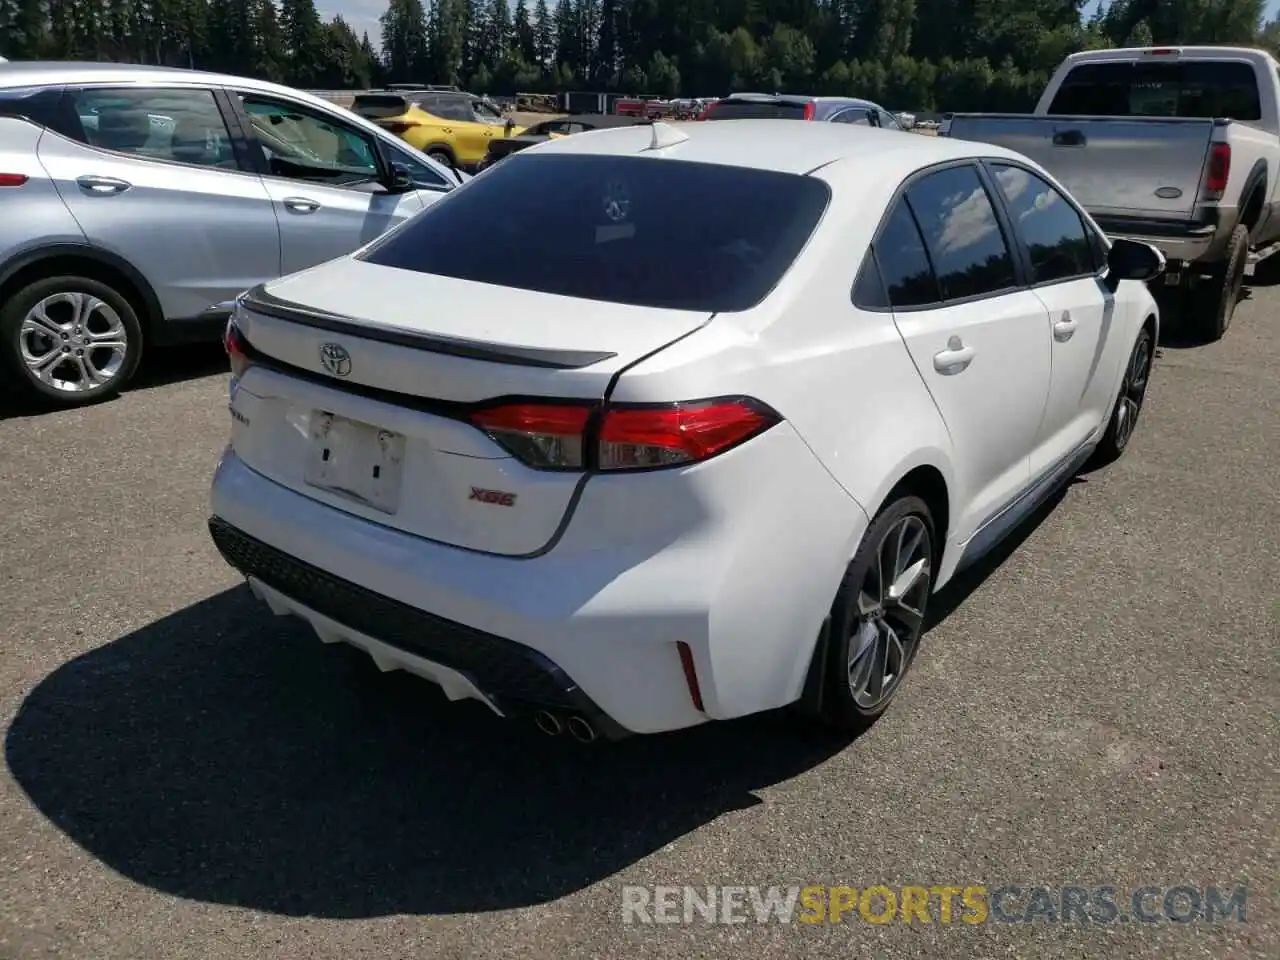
{"x":12,"y":179}
{"x":808,"y":111}
{"x":237,"y":347}
{"x":576,"y":436}
{"x":1218,"y":169}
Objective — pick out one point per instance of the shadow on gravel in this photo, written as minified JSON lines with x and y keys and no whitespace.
{"x":224,"y":756}
{"x":160,"y":367}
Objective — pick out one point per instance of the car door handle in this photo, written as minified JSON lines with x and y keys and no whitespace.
{"x":102,"y":185}
{"x":1064,"y":328}
{"x":301,"y":204}
{"x":955,"y":358}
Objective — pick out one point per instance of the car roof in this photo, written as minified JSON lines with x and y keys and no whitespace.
{"x":779,"y":145}
{"x":31,"y":73}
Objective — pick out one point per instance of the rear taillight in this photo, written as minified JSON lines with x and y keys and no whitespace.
{"x":577,"y":436}
{"x":237,"y":348}
{"x":808,"y":111}
{"x":398,"y":127}
{"x":1219,"y":168}
{"x":12,"y":179}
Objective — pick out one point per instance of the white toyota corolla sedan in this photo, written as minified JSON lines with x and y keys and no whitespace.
{"x":658,"y":425}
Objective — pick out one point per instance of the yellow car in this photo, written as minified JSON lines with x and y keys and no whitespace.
{"x":452,"y":127}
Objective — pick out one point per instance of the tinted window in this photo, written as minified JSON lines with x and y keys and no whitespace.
{"x":448,"y":108}
{"x":1143,"y":88}
{"x":1052,"y":230}
{"x":904,"y":264}
{"x":379,"y":106}
{"x":961,"y":233}
{"x":302,"y":145}
{"x":38,"y":104}
{"x":857,"y":115}
{"x":183,"y":126}
{"x":868,"y":289}
{"x":664,"y":233}
{"x":755,"y":110}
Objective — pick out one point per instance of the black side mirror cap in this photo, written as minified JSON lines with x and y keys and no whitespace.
{"x":400,"y":180}
{"x":1134,"y":260}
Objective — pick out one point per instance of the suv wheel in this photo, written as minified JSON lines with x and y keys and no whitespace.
{"x":69,"y":340}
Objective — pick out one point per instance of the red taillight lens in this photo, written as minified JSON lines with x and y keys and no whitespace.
{"x":639,"y":438}
{"x":564,"y":436}
{"x":237,"y":349}
{"x":1219,"y":168}
{"x":544,"y":435}
{"x":808,"y":111}
{"x":12,"y":179}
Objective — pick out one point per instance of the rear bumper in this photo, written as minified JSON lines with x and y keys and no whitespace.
{"x":1192,"y":241}
{"x":592,"y":626}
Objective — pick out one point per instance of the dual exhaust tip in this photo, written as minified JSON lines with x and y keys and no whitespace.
{"x":578,"y":727}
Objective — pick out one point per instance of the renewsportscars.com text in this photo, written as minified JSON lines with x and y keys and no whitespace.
{"x":942,"y":904}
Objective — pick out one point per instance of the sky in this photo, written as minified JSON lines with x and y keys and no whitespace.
{"x":363,"y":14}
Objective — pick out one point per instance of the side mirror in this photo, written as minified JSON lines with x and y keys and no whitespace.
{"x":400,"y":180}
{"x":1133,"y":260}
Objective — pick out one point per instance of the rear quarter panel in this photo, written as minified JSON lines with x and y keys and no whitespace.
{"x":842,"y":377}
{"x":32,"y":215}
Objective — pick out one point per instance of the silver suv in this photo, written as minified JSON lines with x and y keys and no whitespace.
{"x":136,"y":203}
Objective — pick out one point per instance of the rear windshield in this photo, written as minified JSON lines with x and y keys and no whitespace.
{"x":379,"y":105}
{"x":642,"y":231}
{"x":1142,"y":88}
{"x":755,"y":110}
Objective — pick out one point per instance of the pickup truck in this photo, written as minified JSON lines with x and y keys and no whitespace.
{"x":1178,"y":147}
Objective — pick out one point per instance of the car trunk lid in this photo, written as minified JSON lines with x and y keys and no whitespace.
{"x":368,"y":409}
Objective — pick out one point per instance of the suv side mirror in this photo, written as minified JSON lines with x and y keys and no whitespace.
{"x":1133,"y":260}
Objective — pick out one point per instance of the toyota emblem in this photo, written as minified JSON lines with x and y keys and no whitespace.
{"x":335,"y":359}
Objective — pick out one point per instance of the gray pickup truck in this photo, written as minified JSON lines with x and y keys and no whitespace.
{"x":1178,"y":147}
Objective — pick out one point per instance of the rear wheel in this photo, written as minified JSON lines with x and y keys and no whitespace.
{"x":441,"y":156}
{"x":69,"y":340}
{"x":1215,"y":305}
{"x":877,"y":619}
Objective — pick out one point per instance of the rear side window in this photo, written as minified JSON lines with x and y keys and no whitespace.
{"x":1051,"y":228}
{"x":448,"y":108}
{"x":904,"y":263}
{"x":961,"y":233}
{"x":37,"y":104}
{"x":755,"y":110}
{"x":1143,"y":88}
{"x":180,"y":125}
{"x":374,"y":106}
{"x":655,"y":233}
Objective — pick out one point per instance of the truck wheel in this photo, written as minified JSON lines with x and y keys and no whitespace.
{"x":1216,"y":304}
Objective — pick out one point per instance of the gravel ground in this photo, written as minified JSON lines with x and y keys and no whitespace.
{"x":186,"y":777}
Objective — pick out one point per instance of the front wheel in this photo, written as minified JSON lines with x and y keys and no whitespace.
{"x":69,"y":340}
{"x":1128,"y":405}
{"x":877,"y":619}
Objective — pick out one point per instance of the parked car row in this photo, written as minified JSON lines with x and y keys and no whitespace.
{"x":731,"y":404}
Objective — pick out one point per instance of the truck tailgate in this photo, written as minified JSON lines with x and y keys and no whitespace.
{"x":1127,"y":167}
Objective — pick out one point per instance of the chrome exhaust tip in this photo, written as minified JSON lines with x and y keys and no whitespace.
{"x":582,"y":730}
{"x":548,"y":723}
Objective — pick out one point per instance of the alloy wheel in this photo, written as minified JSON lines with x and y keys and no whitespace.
{"x":73,"y":342}
{"x":1133,"y":390}
{"x":890,"y":612}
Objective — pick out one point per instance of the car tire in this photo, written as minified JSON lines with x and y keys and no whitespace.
{"x":442,"y":156}
{"x":873,"y":632}
{"x":1128,"y":405}
{"x":91,"y":326}
{"x":1215,"y":304}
